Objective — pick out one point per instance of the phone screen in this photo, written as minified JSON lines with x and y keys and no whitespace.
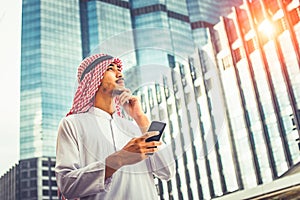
{"x":156,"y":126}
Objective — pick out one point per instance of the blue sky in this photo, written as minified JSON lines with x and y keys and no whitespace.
{"x":10,"y":38}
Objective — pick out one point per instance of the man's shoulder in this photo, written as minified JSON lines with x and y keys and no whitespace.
{"x":74,"y":118}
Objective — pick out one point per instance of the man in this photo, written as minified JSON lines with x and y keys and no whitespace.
{"x":101,"y":155}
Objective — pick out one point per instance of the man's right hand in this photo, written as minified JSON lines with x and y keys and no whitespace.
{"x":136,"y":150}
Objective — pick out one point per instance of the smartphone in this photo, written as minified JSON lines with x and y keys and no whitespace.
{"x":156,"y":126}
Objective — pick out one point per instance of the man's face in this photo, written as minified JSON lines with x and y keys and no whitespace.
{"x":112,"y":79}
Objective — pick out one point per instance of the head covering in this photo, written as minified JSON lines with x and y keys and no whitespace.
{"x":90,"y":74}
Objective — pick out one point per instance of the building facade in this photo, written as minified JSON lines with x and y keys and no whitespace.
{"x":9,"y":185}
{"x":50,"y":52}
{"x":30,"y":179}
{"x":259,"y":64}
{"x":244,"y":86}
{"x":257,"y":51}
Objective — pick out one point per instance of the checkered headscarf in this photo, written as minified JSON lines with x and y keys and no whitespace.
{"x":90,"y":74}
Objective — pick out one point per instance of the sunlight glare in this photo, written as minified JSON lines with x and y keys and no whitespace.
{"x":267,"y":28}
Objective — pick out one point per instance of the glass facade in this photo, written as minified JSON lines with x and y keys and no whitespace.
{"x":106,"y":20}
{"x":205,"y":13}
{"x":260,"y":91}
{"x":51,"y":50}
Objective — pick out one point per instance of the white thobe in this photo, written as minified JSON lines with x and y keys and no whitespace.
{"x":85,"y":140}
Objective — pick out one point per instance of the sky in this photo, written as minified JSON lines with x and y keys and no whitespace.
{"x":10,"y":40}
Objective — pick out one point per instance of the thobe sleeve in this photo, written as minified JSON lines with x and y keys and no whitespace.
{"x":74,"y":180}
{"x":163,"y":163}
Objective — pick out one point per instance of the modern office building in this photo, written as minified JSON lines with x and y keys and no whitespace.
{"x":229,"y":93}
{"x":30,"y":179}
{"x":259,"y":65}
{"x":9,"y":185}
{"x":51,"y":50}
{"x":257,"y":50}
{"x":244,"y":86}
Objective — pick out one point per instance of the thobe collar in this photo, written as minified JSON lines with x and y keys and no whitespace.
{"x":101,"y":113}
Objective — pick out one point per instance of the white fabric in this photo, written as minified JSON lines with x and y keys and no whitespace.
{"x":85,"y":140}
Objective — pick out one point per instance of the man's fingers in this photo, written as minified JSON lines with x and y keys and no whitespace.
{"x":153,"y":144}
{"x":125,"y":92}
{"x":151,"y":150}
{"x":124,"y":95}
{"x":149,"y":134}
{"x":124,"y":98}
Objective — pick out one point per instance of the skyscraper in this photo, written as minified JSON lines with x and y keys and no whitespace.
{"x":51,"y":49}
{"x":257,"y":50}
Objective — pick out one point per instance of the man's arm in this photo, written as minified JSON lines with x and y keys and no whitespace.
{"x":112,"y":164}
{"x":133,"y":108}
{"x":143,"y":122}
{"x":72,"y":178}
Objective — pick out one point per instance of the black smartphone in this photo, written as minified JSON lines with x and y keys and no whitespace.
{"x":156,"y":126}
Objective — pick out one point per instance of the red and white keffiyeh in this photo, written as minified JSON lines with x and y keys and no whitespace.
{"x":90,"y":74}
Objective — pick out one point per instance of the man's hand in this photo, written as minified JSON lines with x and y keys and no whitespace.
{"x":133,"y":108}
{"x":136,"y":150}
{"x":131,"y":104}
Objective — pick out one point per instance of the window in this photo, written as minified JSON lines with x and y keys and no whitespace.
{"x":230,"y":30}
{"x":272,"y":6}
{"x":54,"y":192}
{"x":257,"y":12}
{"x":24,"y":194}
{"x":237,"y":54}
{"x":24,"y":175}
{"x":33,"y":193}
{"x":295,"y":15}
{"x":23,"y":165}
{"x":33,"y":183}
{"x":281,"y":25}
{"x":45,"y":163}
{"x":198,"y":90}
{"x":45,"y":192}
{"x":45,"y":182}
{"x":45,"y":173}
{"x":250,"y":45}
{"x":33,"y":174}
{"x":53,"y":183}
{"x":52,"y":163}
{"x":243,"y":20}
{"x":33,"y":164}
{"x":226,"y":61}
{"x":24,"y":184}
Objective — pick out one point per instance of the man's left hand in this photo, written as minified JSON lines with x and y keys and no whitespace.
{"x":131,"y":104}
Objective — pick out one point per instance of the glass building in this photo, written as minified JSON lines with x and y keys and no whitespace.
{"x":51,"y":50}
{"x":228,"y":92}
{"x":257,"y":50}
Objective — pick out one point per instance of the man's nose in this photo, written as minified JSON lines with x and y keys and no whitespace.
{"x":119,"y":74}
